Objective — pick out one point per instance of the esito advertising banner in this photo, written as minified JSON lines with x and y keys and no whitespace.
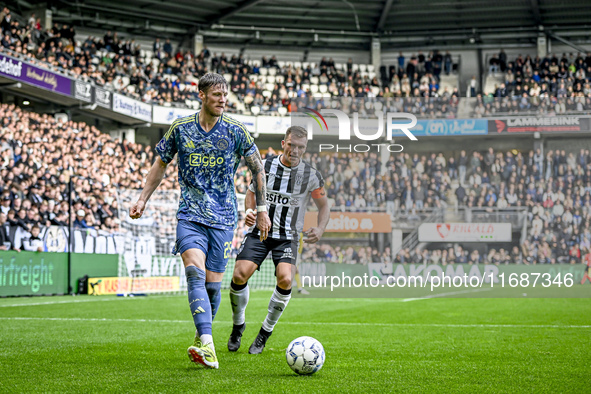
{"x":352,"y":222}
{"x":31,"y":273}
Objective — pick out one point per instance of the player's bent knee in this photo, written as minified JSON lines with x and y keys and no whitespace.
{"x":284,"y":282}
{"x":194,"y":257}
{"x":238,"y":278}
{"x":243,"y":271}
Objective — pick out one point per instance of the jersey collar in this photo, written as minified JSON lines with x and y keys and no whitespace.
{"x":286,"y":167}
{"x":213,"y":129}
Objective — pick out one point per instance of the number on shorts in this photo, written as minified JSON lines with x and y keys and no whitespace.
{"x":227,"y":249}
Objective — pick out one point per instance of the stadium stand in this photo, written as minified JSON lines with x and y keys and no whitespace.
{"x":551,"y":85}
{"x":554,"y":189}
{"x":166,"y":76}
{"x":36,"y":174}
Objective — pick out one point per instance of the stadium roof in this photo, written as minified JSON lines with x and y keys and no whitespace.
{"x":330,"y":23}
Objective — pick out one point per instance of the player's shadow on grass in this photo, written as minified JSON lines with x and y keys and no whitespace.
{"x":192,"y":369}
{"x":289,"y":375}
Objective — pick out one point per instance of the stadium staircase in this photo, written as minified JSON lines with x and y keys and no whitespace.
{"x":411,"y":241}
{"x":451,"y":214}
{"x":493,"y":80}
{"x":450,"y":82}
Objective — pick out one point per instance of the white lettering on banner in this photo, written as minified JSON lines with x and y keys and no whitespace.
{"x":167,"y":115}
{"x":55,"y":239}
{"x":167,"y":266}
{"x":556,"y":121}
{"x":366,"y":224}
{"x":132,"y":108}
{"x":10,"y":68}
{"x":452,"y":127}
{"x":138,"y":254}
{"x":273,"y":124}
{"x":103,"y":97}
{"x":344,"y":223}
{"x":83,"y":91}
{"x":465,"y":232}
{"x":250,"y":122}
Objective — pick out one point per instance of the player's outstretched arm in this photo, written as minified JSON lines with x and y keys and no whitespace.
{"x":255,"y":165}
{"x":154,"y":178}
{"x":314,"y":234}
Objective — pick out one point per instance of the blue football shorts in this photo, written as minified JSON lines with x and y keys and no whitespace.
{"x":215,"y":243}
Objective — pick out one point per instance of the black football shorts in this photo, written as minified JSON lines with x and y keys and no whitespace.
{"x":255,"y":250}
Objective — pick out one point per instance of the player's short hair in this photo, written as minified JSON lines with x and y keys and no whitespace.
{"x":210,"y":80}
{"x":297,"y":131}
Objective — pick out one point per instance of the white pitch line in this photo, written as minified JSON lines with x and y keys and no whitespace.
{"x":452,"y":293}
{"x":187,"y":321}
{"x":100,"y":299}
{"x":56,"y":302}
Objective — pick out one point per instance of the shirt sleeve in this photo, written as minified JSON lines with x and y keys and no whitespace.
{"x":167,"y":147}
{"x":245,"y":145}
{"x":317,"y":182}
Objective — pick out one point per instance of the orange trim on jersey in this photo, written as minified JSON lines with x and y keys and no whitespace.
{"x":319,"y":193}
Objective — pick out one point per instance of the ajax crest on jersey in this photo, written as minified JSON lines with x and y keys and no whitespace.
{"x":305,"y":355}
{"x":222,"y":144}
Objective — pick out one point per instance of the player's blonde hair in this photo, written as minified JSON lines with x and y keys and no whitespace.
{"x":297,"y":131}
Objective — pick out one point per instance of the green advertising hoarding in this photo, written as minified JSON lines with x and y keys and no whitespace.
{"x":40,"y":273}
{"x":33,"y":273}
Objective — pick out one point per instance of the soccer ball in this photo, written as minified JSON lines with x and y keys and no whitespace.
{"x":305,"y":355}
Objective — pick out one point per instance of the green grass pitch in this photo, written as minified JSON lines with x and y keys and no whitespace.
{"x":120,"y":345}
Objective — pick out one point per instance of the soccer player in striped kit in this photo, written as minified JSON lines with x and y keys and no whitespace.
{"x":209,"y":146}
{"x":290,"y":184}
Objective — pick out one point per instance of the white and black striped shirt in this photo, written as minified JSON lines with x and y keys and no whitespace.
{"x":288,"y":192}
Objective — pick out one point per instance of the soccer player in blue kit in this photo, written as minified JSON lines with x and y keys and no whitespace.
{"x":209,"y":146}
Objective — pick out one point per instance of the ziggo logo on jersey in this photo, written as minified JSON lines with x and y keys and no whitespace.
{"x":198,"y":160}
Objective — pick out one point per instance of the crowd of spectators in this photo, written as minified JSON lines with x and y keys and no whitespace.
{"x":550,"y":85}
{"x":361,"y":182}
{"x":330,"y":253}
{"x":168,"y":75}
{"x":552,"y":190}
{"x":40,"y":155}
{"x":456,"y":254}
{"x":417,"y":92}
